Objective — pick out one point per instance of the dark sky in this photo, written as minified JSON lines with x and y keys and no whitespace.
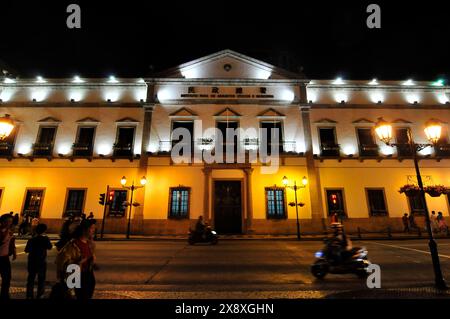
{"x":326,"y":38}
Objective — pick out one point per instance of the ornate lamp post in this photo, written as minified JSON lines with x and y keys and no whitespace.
{"x":133,"y":187}
{"x":295,"y":187}
{"x":6,"y":126}
{"x":433,"y":132}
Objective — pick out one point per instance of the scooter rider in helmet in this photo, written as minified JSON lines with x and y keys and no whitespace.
{"x":340,"y":243}
{"x":200,"y":226}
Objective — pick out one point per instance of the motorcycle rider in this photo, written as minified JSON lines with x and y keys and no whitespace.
{"x":339,"y":244}
{"x":200,"y":227}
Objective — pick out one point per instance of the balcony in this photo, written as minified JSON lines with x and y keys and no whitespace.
{"x":123,"y":150}
{"x":6,"y":149}
{"x":43,"y":149}
{"x":368,"y":150}
{"x":404,"y":150}
{"x":330,"y":150}
{"x":442,"y":150}
{"x":82,"y":150}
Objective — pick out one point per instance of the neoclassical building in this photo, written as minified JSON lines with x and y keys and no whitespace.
{"x":75,"y":137}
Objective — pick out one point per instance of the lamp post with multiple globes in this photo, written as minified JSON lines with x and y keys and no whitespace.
{"x":132,"y":188}
{"x":295,"y":187}
{"x":6,"y":126}
{"x":433,"y":132}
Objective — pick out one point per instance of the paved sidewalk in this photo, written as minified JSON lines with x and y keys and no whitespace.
{"x":304,"y":237}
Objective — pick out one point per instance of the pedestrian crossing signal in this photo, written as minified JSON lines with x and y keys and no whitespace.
{"x":101,"y":199}
{"x":110,"y":197}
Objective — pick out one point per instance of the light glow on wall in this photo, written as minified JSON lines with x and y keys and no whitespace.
{"x":287,"y":95}
{"x":6,"y":94}
{"x":426,"y":151}
{"x":104,"y":149}
{"x":340,"y":96}
{"x":24,"y":148}
{"x":373,"y":82}
{"x":39,"y":94}
{"x":153,"y":148}
{"x":140,"y":94}
{"x":439,"y":82}
{"x":76,"y":95}
{"x":386,"y":150}
{"x":442,"y":98}
{"x":112,"y":79}
{"x":40,"y":79}
{"x":312,"y":95}
{"x":9,"y":81}
{"x":64,"y":149}
{"x":349,"y":150}
{"x":412,"y":97}
{"x":164,"y":95}
{"x":112,"y":94}
{"x":191,"y":73}
{"x":263,"y":74}
{"x":376,"y":96}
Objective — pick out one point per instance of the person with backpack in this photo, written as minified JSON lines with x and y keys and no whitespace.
{"x":7,"y":249}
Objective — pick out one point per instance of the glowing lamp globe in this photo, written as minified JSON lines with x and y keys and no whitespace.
{"x":6,"y":126}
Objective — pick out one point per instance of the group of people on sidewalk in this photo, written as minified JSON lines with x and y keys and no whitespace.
{"x":75,"y":247}
{"x":438,"y":224}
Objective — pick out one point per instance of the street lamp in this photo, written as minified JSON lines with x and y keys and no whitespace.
{"x":433,"y":132}
{"x":133,"y":187}
{"x":295,"y":187}
{"x":6,"y":126}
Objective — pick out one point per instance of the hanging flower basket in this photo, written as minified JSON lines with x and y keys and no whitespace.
{"x":409,"y":190}
{"x":436,"y":190}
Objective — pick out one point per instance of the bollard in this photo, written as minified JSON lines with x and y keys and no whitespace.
{"x":419,"y":231}
{"x":359,"y":233}
{"x":389,"y":232}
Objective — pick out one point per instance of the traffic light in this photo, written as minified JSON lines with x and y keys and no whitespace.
{"x":110,"y":197}
{"x":101,"y":199}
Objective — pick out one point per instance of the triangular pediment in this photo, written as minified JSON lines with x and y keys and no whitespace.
{"x":271,"y":113}
{"x":325,"y":121}
{"x":128,"y":120}
{"x":227,"y":113}
{"x":363,"y":121}
{"x":228,"y":64}
{"x":183,"y":112}
{"x":49,"y":119}
{"x":401,"y":121}
{"x":88,"y":120}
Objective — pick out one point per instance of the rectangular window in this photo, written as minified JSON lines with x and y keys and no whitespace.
{"x":179,"y":202}
{"x":124,"y":142}
{"x":402,"y":139}
{"x":7,"y":145}
{"x":117,"y":207}
{"x":227,"y":127}
{"x":416,"y":204}
{"x":270,"y":126}
{"x":335,"y":201}
{"x":188,"y":125}
{"x":33,"y":202}
{"x":328,"y":142}
{"x":377,"y":202}
{"x":75,"y":202}
{"x":367,"y":145}
{"x":275,"y":203}
{"x":85,"y":141}
{"x":45,"y":141}
{"x":1,"y":196}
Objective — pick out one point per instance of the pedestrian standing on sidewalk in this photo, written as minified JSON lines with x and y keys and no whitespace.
{"x":7,"y":249}
{"x":434,"y":222}
{"x":405,"y":223}
{"x":36,"y":249}
{"x":412,"y":222}
{"x":442,"y":224}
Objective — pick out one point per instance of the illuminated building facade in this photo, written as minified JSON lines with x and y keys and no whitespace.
{"x":74,"y":137}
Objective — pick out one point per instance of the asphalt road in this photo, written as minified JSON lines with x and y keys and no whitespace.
{"x":244,"y":269}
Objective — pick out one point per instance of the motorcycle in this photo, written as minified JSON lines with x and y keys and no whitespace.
{"x":331,"y":261}
{"x":209,"y":236}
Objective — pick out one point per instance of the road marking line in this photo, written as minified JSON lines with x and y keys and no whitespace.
{"x":412,"y":249}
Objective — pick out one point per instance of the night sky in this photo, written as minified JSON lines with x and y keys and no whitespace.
{"x":327,"y":39}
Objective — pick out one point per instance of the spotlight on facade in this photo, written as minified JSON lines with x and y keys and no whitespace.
{"x":373,"y":82}
{"x":408,"y":82}
{"x":439,"y":82}
{"x":108,"y":100}
{"x":338,"y":81}
{"x":72,"y":100}
{"x":34,"y":100}
{"x":40,"y":79}
{"x":112,"y":79}
{"x":9,"y":81}
{"x":379,"y":102}
{"x":77,"y":79}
